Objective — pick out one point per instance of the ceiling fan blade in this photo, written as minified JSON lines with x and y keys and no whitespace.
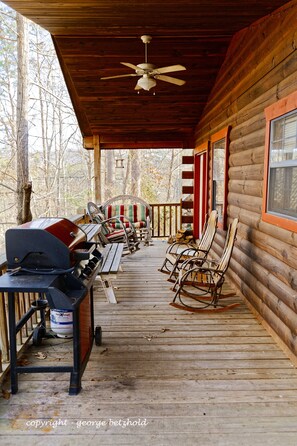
{"x":120,"y":75}
{"x":171,"y":80}
{"x":170,"y":69}
{"x":130,"y":65}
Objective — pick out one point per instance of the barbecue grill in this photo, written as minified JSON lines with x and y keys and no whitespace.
{"x":52,"y":257}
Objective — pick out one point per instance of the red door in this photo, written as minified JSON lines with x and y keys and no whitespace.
{"x":200,"y":191}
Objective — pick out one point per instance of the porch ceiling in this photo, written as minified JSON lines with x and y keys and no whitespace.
{"x":92,"y":37}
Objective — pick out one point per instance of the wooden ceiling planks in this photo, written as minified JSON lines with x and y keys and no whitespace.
{"x":114,"y":107}
{"x":93,"y":37}
{"x":107,"y":17}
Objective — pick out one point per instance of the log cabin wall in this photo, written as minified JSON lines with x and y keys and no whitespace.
{"x":260,"y":68}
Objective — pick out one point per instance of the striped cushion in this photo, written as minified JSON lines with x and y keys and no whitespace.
{"x":114,"y":235}
{"x":139,"y":224}
{"x":136,"y":213}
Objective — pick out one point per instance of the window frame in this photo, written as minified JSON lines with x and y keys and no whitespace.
{"x":275,"y":111}
{"x":222,"y":134}
{"x":201,"y":177}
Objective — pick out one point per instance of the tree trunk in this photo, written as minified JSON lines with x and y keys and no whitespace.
{"x":135,"y":173}
{"x":128,"y":169}
{"x":170,"y":172}
{"x":97,"y":169}
{"x":109,"y":176}
{"x":24,"y":187}
{"x":90,"y":168}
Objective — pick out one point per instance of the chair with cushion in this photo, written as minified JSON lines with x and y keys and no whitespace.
{"x":112,"y":229}
{"x":179,"y":252}
{"x":133,"y":210}
{"x":199,"y":286}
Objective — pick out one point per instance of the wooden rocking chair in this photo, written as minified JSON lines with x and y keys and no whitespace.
{"x":203,"y":282}
{"x":178,"y":253}
{"x":108,"y":234}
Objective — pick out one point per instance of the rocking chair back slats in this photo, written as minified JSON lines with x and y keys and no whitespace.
{"x":209,"y":233}
{"x":228,"y":246}
{"x":178,"y":252}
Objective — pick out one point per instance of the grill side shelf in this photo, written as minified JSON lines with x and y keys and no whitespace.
{"x":65,"y":292}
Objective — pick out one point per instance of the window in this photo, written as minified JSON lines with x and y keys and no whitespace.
{"x":200,"y":188}
{"x":220,"y":174}
{"x":280,"y":182}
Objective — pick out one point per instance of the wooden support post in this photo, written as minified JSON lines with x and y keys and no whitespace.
{"x":97,"y":169}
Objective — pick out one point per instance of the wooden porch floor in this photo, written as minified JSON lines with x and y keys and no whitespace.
{"x":179,"y":378}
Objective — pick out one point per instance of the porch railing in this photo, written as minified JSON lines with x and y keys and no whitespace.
{"x":22,"y":304}
{"x":166,"y":219}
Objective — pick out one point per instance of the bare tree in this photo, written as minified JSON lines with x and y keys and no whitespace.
{"x":127,"y":175}
{"x":135,"y":172}
{"x":24,"y":187}
{"x":36,"y":115}
{"x":109,"y":174}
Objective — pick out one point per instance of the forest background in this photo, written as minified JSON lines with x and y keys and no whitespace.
{"x":36,"y":115}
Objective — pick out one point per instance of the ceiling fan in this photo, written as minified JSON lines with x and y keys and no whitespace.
{"x":149,"y":73}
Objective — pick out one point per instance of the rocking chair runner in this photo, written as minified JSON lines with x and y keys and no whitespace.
{"x":203,"y":283}
{"x":108,"y":234}
{"x":177,"y":253}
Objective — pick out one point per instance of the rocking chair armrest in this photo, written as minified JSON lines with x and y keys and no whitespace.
{"x":119,"y":219}
{"x":111,"y":219}
{"x":191,"y":258}
{"x":189,"y":250}
{"x":204,"y":270}
{"x":172,"y":249}
{"x":198,"y":260}
{"x":211,"y":263}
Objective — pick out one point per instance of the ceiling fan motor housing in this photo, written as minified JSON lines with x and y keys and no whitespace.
{"x":145,"y":67}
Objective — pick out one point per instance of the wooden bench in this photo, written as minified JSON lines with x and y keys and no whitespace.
{"x":112,"y":254}
{"x":91,"y":230}
{"x":111,"y":261}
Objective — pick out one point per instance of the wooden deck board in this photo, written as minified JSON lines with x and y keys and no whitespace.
{"x":210,"y":379}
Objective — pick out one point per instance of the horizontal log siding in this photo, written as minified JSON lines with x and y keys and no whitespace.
{"x":260,"y":68}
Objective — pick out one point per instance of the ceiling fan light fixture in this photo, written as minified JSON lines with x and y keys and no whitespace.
{"x":149,"y":73}
{"x":146,"y":82}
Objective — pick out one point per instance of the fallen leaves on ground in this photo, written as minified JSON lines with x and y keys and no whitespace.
{"x":5,"y":394}
{"x":40,"y":355}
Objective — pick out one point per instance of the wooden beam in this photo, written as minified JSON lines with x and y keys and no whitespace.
{"x":188,"y":175}
{"x":187,"y":219}
{"x":188,"y":190}
{"x":188,"y":159}
{"x":118,"y":141}
{"x":97,"y":168}
{"x":88,"y":142}
{"x":187,"y":204}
